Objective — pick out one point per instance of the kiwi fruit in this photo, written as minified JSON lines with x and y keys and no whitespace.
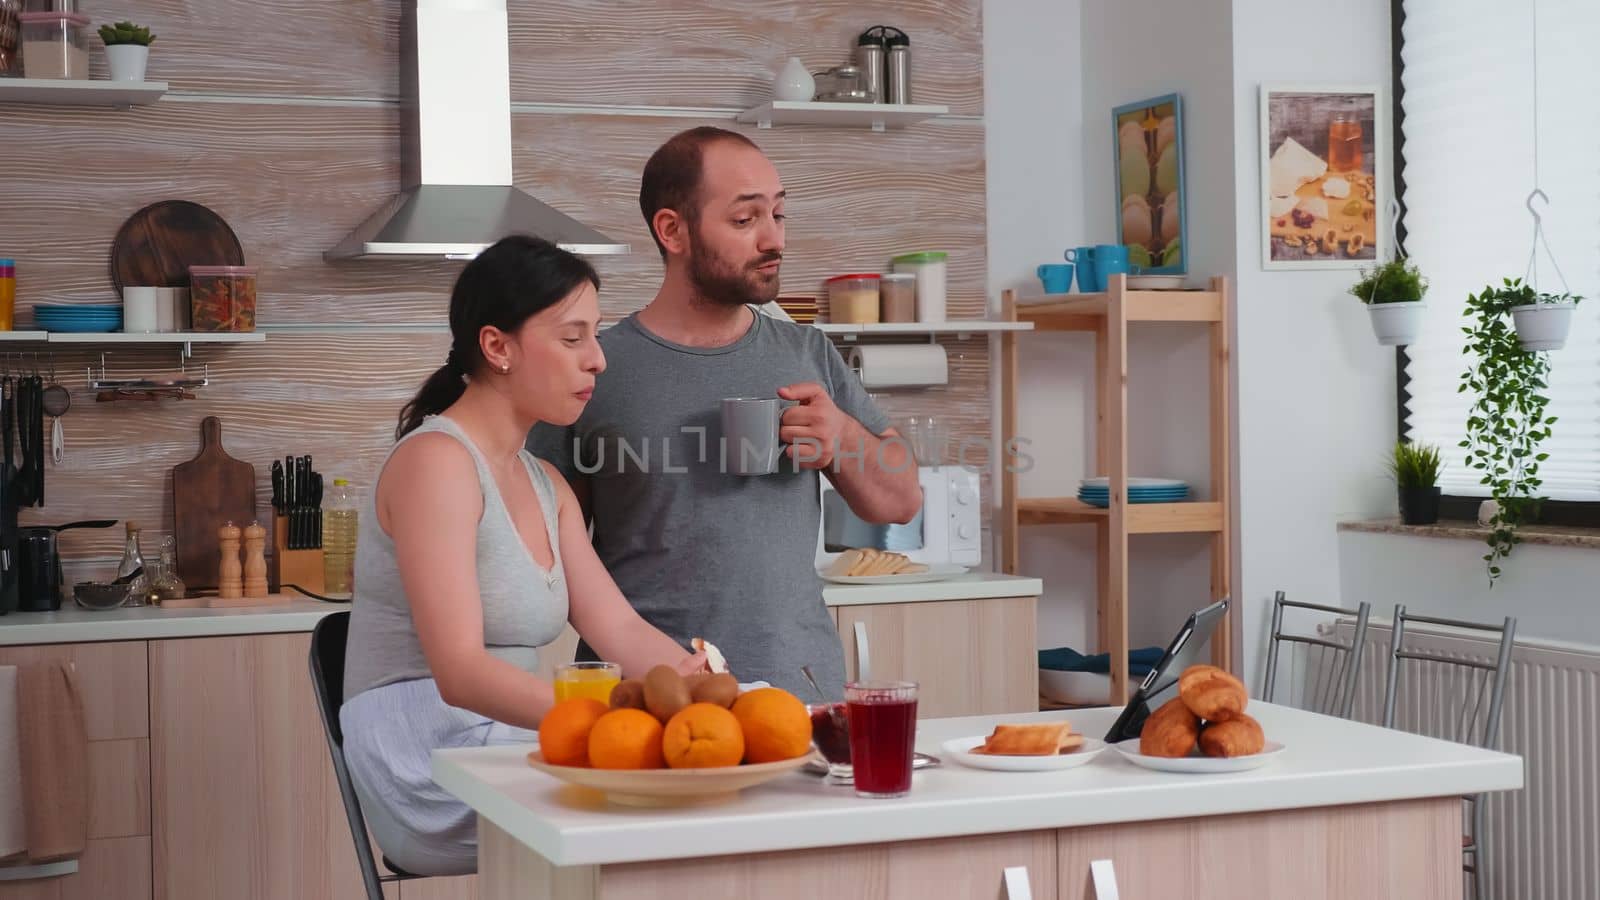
{"x":721,"y":689}
{"x":664,"y":692}
{"x":693,"y":680}
{"x":628,"y":694}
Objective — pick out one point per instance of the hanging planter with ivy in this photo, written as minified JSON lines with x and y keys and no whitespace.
{"x":1507,"y":421}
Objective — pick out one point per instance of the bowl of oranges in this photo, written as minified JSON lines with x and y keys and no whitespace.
{"x":670,"y":739}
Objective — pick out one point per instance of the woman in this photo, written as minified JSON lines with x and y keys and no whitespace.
{"x":473,"y":553}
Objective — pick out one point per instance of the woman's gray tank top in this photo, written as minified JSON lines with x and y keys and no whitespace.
{"x":524,"y":607}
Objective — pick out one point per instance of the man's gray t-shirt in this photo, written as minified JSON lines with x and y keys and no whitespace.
{"x":700,"y":551}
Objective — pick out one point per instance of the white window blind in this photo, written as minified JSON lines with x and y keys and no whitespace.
{"x":1474,"y":146}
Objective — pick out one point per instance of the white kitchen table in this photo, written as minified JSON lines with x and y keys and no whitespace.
{"x":1347,"y":810}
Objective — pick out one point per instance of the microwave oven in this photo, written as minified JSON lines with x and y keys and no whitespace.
{"x":947,"y":530}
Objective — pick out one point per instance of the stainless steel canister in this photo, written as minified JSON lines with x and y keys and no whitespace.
{"x":869,"y":58}
{"x":897,"y":66}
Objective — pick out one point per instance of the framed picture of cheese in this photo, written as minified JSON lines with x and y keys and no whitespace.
{"x":1151,"y":213}
{"x":1324,"y":182}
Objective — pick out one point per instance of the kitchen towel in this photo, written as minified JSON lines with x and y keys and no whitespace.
{"x":900,"y":365}
{"x":13,"y":834}
{"x":54,"y":753}
{"x":1066,"y":659}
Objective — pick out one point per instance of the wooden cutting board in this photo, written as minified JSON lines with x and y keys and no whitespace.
{"x":157,"y":245}
{"x":208,"y":491}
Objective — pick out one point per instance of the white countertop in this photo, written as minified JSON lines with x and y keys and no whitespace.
{"x":70,"y":624}
{"x":971,"y":586}
{"x":1327,"y":762}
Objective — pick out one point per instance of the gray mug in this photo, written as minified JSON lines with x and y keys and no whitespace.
{"x":750,"y":434}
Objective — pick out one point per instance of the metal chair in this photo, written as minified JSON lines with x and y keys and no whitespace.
{"x":1332,"y":690}
{"x":327,"y":676}
{"x":1475,"y":724}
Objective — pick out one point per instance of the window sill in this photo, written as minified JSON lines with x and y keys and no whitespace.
{"x":1549,"y":535}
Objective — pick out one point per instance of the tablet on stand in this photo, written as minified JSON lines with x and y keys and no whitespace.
{"x":1183,"y":652}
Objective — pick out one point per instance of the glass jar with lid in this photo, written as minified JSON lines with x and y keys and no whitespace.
{"x":53,"y":45}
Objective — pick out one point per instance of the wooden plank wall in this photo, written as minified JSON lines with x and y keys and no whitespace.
{"x":283,"y":118}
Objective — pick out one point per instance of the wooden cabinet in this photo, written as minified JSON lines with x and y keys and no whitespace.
{"x":244,"y":802}
{"x":1408,"y":848}
{"x":116,"y":862}
{"x":970,"y":657}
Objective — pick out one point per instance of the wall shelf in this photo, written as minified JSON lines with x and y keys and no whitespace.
{"x":850,"y":331}
{"x":70,"y":92}
{"x":877,"y":116}
{"x":1108,"y":316}
{"x":186,"y":339}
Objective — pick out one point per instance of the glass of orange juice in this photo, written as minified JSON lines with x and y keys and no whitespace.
{"x":587,"y":679}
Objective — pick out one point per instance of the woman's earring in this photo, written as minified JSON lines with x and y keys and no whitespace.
{"x":505,"y":369}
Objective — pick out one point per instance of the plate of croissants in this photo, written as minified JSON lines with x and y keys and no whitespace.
{"x":872,"y":566}
{"x":1035,"y":747}
{"x":1202,"y":730}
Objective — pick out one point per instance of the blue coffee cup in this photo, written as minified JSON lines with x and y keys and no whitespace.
{"x":1083,"y":258}
{"x":1109,"y":259}
{"x":1056,"y":277}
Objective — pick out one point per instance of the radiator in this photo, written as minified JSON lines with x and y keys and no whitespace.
{"x":1539,"y":843}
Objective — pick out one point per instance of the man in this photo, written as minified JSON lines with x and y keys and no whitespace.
{"x":698,"y":550}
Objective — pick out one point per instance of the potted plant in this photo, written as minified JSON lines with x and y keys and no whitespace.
{"x":1393,"y":294}
{"x":127,"y":50}
{"x":1542,"y":320}
{"x":1415,"y":468}
{"x":1507,"y":421}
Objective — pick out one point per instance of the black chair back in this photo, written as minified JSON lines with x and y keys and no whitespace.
{"x":327,"y":677}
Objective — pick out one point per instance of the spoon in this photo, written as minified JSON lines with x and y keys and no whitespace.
{"x":56,"y":401}
{"x":834,"y":712}
{"x":806,"y":671}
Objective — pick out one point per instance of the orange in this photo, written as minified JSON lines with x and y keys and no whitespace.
{"x":702,"y":736}
{"x":564,"y":731}
{"x":775,"y":723}
{"x":626,"y":739}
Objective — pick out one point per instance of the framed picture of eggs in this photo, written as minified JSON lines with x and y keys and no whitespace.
{"x":1152,"y":215}
{"x":1324,"y":178}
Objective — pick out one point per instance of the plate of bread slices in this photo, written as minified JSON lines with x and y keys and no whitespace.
{"x":1202,"y":730}
{"x":872,"y":566}
{"x":1035,"y":747}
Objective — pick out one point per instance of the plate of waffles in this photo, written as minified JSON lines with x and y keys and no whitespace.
{"x":1035,"y":747}
{"x":872,"y":566}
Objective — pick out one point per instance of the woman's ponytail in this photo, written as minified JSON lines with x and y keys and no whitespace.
{"x":444,"y":387}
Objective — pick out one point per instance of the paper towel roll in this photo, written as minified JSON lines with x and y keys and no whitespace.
{"x":900,"y":365}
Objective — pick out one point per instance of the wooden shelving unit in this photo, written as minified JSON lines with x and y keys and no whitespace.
{"x":1108,"y":316}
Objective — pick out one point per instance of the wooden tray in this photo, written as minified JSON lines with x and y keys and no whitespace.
{"x":234,"y":603}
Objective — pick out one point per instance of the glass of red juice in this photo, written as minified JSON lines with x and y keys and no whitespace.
{"x":883,"y":735}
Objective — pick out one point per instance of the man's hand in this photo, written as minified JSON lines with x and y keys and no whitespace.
{"x":815,"y":428}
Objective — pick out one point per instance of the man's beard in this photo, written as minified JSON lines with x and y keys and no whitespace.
{"x":723,"y":284}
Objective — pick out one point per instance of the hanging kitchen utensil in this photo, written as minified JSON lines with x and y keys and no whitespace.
{"x":156,"y":245}
{"x":56,"y":401}
{"x":27,"y":478}
{"x":207,"y":491}
{"x":36,"y":427}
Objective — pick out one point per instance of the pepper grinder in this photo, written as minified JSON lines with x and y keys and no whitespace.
{"x":255,"y":561}
{"x":230,"y":576}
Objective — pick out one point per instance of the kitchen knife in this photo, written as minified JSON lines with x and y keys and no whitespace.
{"x":303,"y":482}
{"x":316,"y":510}
{"x":277,"y":487}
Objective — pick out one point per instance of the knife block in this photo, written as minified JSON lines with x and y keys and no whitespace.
{"x":302,"y":567}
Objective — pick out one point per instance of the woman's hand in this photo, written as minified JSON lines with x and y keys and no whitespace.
{"x":691,"y":665}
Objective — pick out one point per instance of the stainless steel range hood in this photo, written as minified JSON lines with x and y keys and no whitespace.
{"x":457,"y":195}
